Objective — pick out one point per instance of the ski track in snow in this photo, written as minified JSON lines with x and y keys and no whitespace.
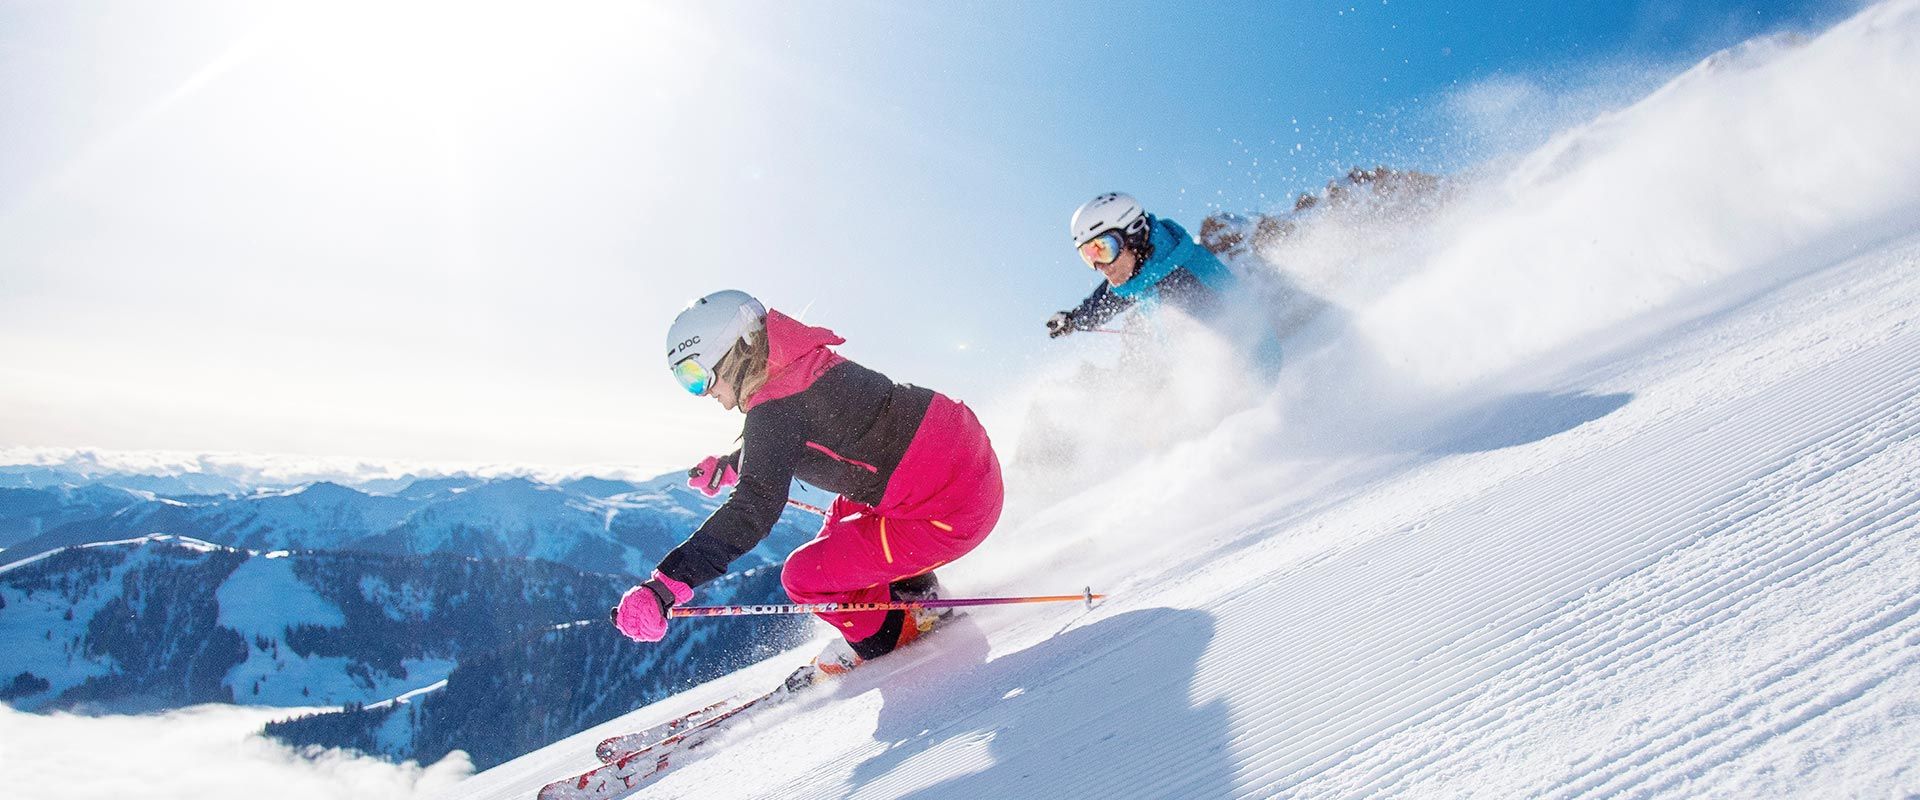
{"x":1761,"y":540}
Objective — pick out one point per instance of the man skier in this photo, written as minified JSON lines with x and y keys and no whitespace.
{"x":1148,"y":261}
{"x":918,"y":481}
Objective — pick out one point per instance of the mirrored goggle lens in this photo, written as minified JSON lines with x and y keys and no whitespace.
{"x":1102,"y":249}
{"x":693,"y":377}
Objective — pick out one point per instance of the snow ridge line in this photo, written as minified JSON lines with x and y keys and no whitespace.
{"x":1762,"y":486}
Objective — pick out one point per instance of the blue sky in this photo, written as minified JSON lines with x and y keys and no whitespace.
{"x":455,"y":232}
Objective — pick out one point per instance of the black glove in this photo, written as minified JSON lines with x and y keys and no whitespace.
{"x":1060,"y":324}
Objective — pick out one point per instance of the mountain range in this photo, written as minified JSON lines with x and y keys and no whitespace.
{"x":127,"y":594}
{"x":592,"y":524}
{"x":509,"y":652}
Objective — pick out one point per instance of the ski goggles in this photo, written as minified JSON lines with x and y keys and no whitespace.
{"x":1102,"y":250}
{"x":693,"y":377}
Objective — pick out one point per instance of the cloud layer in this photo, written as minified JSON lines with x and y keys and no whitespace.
{"x":202,"y":753}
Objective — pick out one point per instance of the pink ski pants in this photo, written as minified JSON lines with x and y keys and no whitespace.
{"x":940,"y":503}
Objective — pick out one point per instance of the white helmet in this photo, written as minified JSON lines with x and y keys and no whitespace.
{"x":710,"y":326}
{"x":1110,"y":211}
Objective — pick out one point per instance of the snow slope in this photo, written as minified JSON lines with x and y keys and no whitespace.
{"x":278,"y":675}
{"x":1603,"y":485}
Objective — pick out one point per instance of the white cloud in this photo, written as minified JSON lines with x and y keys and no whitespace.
{"x":204,"y":753}
{"x":262,"y":469}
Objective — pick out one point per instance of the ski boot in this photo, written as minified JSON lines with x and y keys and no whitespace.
{"x":837,"y":659}
{"x":900,"y":628}
{"x":918,"y":588}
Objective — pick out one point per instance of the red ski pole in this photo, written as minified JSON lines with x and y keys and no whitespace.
{"x":812,"y":509}
{"x":804,"y":507}
{"x":816,"y":608}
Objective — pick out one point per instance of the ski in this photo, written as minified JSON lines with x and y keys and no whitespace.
{"x":636,"y":769}
{"x":614,"y":747}
{"x":631,"y":761}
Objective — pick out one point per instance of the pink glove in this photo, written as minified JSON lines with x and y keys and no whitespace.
{"x":642,"y":613}
{"x":714,"y":473}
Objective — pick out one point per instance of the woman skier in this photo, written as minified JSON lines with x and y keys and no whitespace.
{"x":918,"y":482}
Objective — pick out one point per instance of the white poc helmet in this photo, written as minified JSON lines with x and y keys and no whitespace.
{"x":1110,"y":211}
{"x":711,"y":325}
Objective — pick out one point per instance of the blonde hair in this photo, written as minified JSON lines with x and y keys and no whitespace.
{"x":745,"y":365}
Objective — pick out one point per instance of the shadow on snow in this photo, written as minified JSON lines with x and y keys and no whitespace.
{"x":1524,"y":418}
{"x":1099,"y":711}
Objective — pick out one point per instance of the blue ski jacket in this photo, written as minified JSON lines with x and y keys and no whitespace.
{"x":1180,"y":273}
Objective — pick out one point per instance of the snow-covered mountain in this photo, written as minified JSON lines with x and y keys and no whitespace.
{"x":436,"y":488}
{"x":521,"y":518}
{"x":1598,"y":482}
{"x":317,"y":516}
{"x":163,"y":622}
{"x":512,"y":698}
{"x":599,"y":525}
{"x":30,"y":476}
{"x":322,"y":594}
{"x":599,"y":487}
{"x":29,"y":512}
{"x":314,"y":516}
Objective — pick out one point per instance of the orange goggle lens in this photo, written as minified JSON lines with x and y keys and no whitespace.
{"x":1102,"y":249}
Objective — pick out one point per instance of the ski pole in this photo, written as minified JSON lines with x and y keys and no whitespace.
{"x":818,"y":608}
{"x":812,"y":509}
